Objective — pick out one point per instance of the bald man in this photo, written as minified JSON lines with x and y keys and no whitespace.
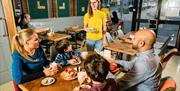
{"x":145,"y":69}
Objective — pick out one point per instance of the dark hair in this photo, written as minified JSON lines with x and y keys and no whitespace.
{"x":61,"y":46}
{"x":115,"y":18}
{"x":17,"y":20}
{"x":24,"y":16}
{"x":96,"y":67}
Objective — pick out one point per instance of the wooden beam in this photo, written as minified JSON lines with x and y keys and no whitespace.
{"x":55,"y":8}
{"x":9,"y":17}
{"x":25,"y":6}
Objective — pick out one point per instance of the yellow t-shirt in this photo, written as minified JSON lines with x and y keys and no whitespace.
{"x":95,"y":22}
{"x":106,"y":11}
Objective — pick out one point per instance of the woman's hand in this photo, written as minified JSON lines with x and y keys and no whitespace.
{"x":54,"y":67}
{"x":113,"y":67}
{"x":50,"y":71}
{"x":85,"y":29}
{"x":47,"y":71}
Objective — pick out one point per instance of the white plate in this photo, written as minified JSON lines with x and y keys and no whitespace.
{"x":76,"y":63}
{"x":48,"y":81}
{"x":85,"y":86}
{"x":91,"y":30}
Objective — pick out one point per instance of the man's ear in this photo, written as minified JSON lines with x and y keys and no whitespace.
{"x":65,"y":50}
{"x":141,"y":43}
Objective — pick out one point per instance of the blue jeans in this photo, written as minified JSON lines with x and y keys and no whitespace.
{"x":94,"y":44}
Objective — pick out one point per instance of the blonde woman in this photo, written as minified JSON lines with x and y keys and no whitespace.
{"x":95,"y":20}
{"x":28,"y":58}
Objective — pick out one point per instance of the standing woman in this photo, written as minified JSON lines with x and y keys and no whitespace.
{"x":28,"y":57}
{"x":96,"y":20}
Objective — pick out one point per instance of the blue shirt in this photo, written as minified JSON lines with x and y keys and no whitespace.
{"x":23,"y":70}
{"x":63,"y":58}
{"x":144,"y":73}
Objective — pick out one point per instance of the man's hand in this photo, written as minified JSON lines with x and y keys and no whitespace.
{"x":113,"y":66}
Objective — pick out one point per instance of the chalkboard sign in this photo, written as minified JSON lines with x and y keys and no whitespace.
{"x":63,"y":8}
{"x":153,"y":24}
{"x":38,"y":8}
{"x":82,"y":6}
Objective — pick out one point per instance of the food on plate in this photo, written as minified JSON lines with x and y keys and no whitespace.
{"x":69,"y":74}
{"x":48,"y":81}
{"x":92,"y":30}
{"x":75,"y":61}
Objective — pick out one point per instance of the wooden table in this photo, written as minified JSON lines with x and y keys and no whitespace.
{"x":74,"y":29}
{"x":59,"y":85}
{"x":121,"y":47}
{"x":57,"y":37}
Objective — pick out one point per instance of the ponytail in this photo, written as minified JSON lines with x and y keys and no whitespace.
{"x":16,"y":46}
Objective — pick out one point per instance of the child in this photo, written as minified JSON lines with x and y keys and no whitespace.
{"x":109,"y":38}
{"x":97,"y":69}
{"x":119,"y":32}
{"x":66,"y":55}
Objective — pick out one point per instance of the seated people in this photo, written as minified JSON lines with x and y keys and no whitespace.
{"x":17,"y":22}
{"x":28,"y":58}
{"x":25,"y":23}
{"x":109,"y":38}
{"x":115,"y":18}
{"x":119,"y":32}
{"x":97,"y":69}
{"x":145,"y":69}
{"x":66,"y":55}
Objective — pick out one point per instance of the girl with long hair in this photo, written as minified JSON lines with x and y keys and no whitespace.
{"x":28,"y":57}
{"x":95,"y":20}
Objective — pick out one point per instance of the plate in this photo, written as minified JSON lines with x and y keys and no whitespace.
{"x":85,"y":86}
{"x":76,"y":62}
{"x":48,"y":81}
{"x":91,"y":30}
{"x":69,"y":74}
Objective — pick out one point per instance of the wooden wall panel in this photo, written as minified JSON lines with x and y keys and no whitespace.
{"x":73,"y":7}
{"x":9,"y":16}
{"x":25,"y":6}
{"x":55,"y":8}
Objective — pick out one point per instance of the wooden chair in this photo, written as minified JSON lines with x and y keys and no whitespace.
{"x":53,"y":52}
{"x":164,"y":46}
{"x":166,"y":58}
{"x":167,"y":84}
{"x":16,"y":87}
